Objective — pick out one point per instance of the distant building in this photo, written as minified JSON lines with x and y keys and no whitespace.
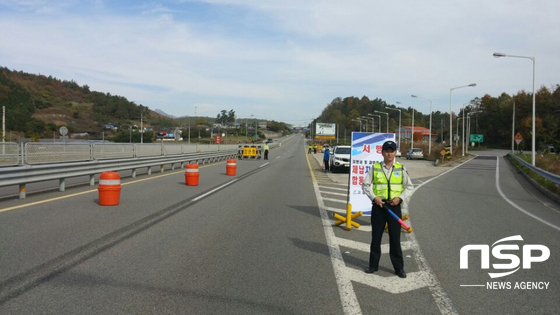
{"x":406,"y":132}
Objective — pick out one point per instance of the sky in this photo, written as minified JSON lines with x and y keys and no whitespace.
{"x":285,"y":60}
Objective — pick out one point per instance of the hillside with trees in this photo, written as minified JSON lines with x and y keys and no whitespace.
{"x":491,"y":116}
{"x":37,"y":106}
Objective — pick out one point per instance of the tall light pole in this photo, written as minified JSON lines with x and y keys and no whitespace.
{"x":469,"y":128}
{"x":360,"y":121}
{"x":376,"y":111}
{"x":379,"y":121}
{"x":142,"y":126}
{"x":498,"y":55}
{"x":430,"y":136}
{"x":372,"y":120}
{"x":399,"y":124}
{"x":412,"y":131}
{"x":451,"y":116}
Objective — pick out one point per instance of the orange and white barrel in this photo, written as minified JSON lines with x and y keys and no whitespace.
{"x":109,"y":189}
{"x":231,"y":167}
{"x":191,"y":175}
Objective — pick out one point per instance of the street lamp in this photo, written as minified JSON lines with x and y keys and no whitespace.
{"x":412,"y":131}
{"x":360,"y":121}
{"x":376,"y":111}
{"x":451,"y":116}
{"x":379,"y":121}
{"x":372,"y":122}
{"x":430,"y":136}
{"x":498,"y":55}
{"x":469,"y":128}
{"x":399,"y":124}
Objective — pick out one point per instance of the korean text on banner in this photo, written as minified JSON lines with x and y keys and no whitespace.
{"x":366,"y":151}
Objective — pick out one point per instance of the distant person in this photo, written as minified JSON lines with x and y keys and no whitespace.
{"x":315,"y":148}
{"x":326,"y":158}
{"x":309,"y":148}
{"x":387,"y":184}
{"x":266,"y":151}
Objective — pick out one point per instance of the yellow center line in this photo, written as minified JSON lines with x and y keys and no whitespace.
{"x":309,"y":165}
{"x":93,"y":190}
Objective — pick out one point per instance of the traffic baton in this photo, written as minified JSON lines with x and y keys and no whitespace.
{"x":406,"y":227}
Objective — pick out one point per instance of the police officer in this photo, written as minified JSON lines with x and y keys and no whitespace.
{"x":266,"y":151}
{"x":387,"y":184}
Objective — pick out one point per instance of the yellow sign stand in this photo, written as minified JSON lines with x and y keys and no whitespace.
{"x":349,"y":218}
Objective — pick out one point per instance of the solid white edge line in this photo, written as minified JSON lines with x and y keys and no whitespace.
{"x":350,"y":305}
{"x":441,"y":299}
{"x":514,"y":204}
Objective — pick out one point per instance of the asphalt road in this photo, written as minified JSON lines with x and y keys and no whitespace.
{"x":263,"y":242}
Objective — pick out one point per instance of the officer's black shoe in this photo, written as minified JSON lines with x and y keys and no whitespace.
{"x":400,"y":273}
{"x":371,"y":270}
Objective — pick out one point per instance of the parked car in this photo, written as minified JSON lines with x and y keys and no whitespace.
{"x":415,"y":154}
{"x":398,"y":153}
{"x":340,"y":158}
{"x":549,"y":148}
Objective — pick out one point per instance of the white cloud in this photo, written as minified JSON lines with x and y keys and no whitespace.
{"x":284,"y":59}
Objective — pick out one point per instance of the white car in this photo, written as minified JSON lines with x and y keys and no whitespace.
{"x":415,"y":153}
{"x":340,"y":158}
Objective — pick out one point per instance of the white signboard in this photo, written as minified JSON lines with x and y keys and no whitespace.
{"x":366,"y":151}
{"x":325,"y":131}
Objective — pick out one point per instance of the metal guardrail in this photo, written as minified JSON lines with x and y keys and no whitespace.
{"x":73,"y":160}
{"x":9,"y":154}
{"x":24,"y":174}
{"x":548,"y":175}
{"x":35,"y":153}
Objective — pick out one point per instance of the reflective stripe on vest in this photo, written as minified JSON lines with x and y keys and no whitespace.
{"x":381,"y":185}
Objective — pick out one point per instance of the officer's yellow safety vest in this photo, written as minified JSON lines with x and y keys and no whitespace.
{"x":381,"y":185}
{"x":266,"y":146}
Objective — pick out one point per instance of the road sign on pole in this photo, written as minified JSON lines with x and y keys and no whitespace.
{"x":518,"y":138}
{"x":477,"y":138}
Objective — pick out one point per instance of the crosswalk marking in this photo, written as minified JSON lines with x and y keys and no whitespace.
{"x":392,"y":284}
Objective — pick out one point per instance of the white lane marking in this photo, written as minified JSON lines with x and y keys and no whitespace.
{"x":337,"y":210}
{"x":514,"y":204}
{"x":334,"y":188}
{"x":334,"y":200}
{"x":350,"y":305}
{"x":431,"y":179}
{"x":264,"y":164}
{"x":214,"y":190}
{"x":333,"y":193}
{"x":364,"y":247}
{"x":392,"y":284}
{"x":438,"y":294}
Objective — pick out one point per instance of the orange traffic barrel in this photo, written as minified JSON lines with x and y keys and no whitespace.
{"x":191,"y":175}
{"x":109,"y":189}
{"x":231,"y":167}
